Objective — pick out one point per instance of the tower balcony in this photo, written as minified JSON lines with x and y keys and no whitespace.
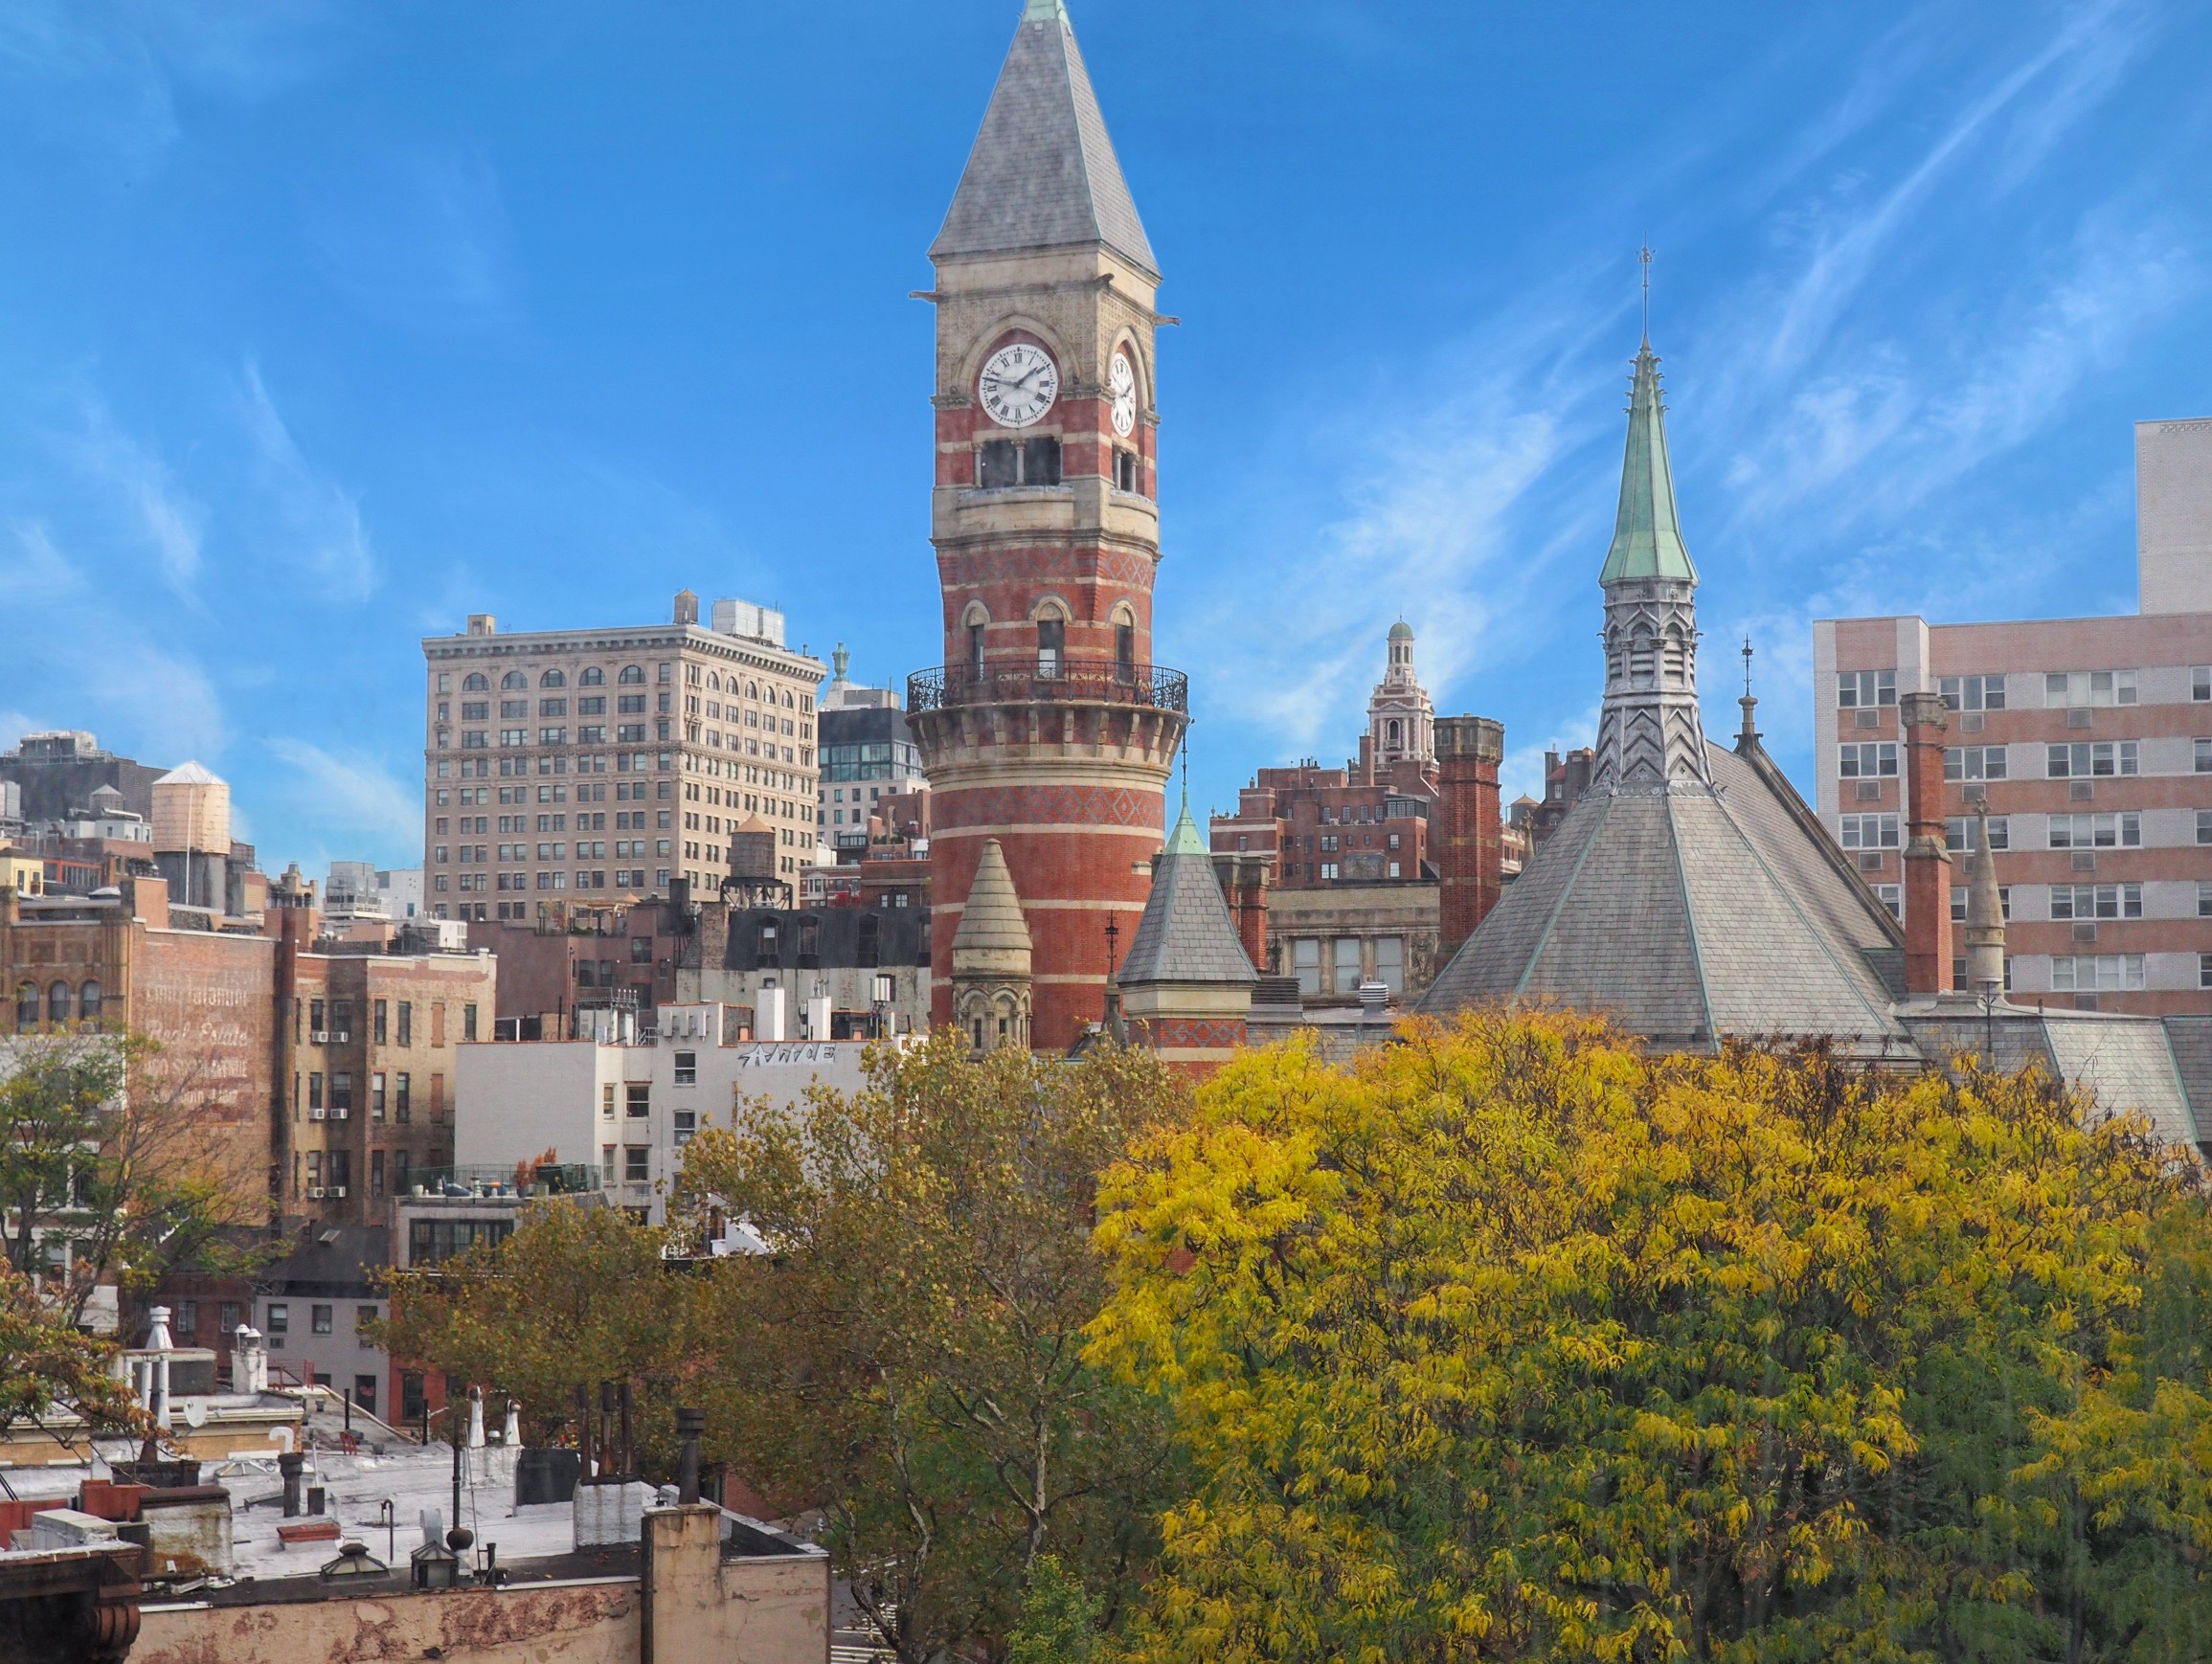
{"x":1067,"y":682}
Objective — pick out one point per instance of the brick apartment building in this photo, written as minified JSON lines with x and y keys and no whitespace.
{"x":573,"y":769}
{"x":1353,"y":888}
{"x":2088,"y":740}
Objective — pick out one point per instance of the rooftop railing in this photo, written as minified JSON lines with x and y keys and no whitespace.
{"x":1060,"y":681}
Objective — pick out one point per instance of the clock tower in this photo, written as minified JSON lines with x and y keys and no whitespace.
{"x":1048,"y":730}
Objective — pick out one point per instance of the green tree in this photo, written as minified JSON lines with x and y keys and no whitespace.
{"x":1059,"y":1623}
{"x":576,"y":1296}
{"x":1512,"y":1342}
{"x":908,"y":1358}
{"x":103,"y":1177}
{"x":44,"y":1363}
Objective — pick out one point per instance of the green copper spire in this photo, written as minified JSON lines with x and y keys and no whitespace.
{"x":1185,"y":838}
{"x":1647,"y":538}
{"x":1044,"y":12}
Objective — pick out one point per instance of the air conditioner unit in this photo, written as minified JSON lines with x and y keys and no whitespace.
{"x":318,"y":1037}
{"x":339,"y":1191}
{"x":317,"y":1114}
{"x":339,"y":1113}
{"x":315,"y":1193}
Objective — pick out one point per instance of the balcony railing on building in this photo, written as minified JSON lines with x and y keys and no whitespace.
{"x":544,"y":1178}
{"x":1051,"y":680}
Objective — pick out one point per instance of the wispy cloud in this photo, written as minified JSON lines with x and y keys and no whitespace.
{"x":349,"y":799}
{"x":420,"y":238}
{"x":317,"y":518}
{"x":162,"y":513}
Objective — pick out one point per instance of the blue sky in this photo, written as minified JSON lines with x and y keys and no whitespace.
{"x":322,"y":325}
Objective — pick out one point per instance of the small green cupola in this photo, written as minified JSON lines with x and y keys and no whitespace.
{"x":1647,"y":536}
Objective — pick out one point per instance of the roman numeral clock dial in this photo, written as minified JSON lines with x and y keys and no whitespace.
{"x":1018,"y":385}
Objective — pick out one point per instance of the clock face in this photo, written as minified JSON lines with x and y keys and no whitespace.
{"x":1121,"y":384}
{"x":1019,"y":384}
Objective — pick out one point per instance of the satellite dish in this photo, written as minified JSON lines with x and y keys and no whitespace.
{"x":195,"y":1413}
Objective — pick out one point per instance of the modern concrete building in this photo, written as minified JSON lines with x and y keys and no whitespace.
{"x":2088,"y":740}
{"x":567,"y":770}
{"x":627,"y":1110}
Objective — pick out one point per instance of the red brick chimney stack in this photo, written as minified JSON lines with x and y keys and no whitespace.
{"x":1927,"y":861}
{"x":1464,"y":846}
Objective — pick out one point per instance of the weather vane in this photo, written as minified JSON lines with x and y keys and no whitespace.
{"x":1746,"y":666}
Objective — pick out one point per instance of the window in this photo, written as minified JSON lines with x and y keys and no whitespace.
{"x":376,"y":1173}
{"x":1972,"y":762}
{"x":26,"y":1005}
{"x":1345,"y":951}
{"x":975,"y":651}
{"x":1125,"y":649}
{"x":1391,"y":962}
{"x":2204,"y":751}
{"x":2085,"y":758}
{"x":315,"y":1092}
{"x":2096,"y":831}
{"x":476,"y":682}
{"x":2098,"y":901}
{"x":634,"y":1168}
{"x":685,"y":1123}
{"x":1306,"y":962}
{"x":2093,"y":973}
{"x":1001,"y":464}
{"x":2204,"y":825}
{"x":1052,"y":646}
{"x":406,"y":1025}
{"x":1858,"y":689}
{"x":686,"y":1069}
{"x":412,"y":1404}
{"x":57,"y":1002}
{"x":399,"y":1161}
{"x":319,"y":1320}
{"x":2075,"y":688}
{"x":380,"y":1015}
{"x":1869,"y":831}
{"x":468,"y":1023}
{"x":1892,"y":897}
{"x":400,"y":1084}
{"x":641,"y":1097}
{"x":230,"y":1315}
{"x":376,"y":1095}
{"x":1866,"y":760}
{"x":188,"y":1318}
{"x":606,"y":1164}
{"x":280,"y":1317}
{"x":1973,"y":692}
{"x":342,"y":1094}
{"x":88,"y":1002}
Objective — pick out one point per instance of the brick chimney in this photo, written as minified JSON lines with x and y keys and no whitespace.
{"x":1463,"y":841}
{"x":1244,"y":887}
{"x":1926,"y":861}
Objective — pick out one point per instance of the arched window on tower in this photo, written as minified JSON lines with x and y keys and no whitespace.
{"x":1642,"y":659}
{"x":1393,"y":731}
{"x":57,"y":1002}
{"x":1052,"y":644}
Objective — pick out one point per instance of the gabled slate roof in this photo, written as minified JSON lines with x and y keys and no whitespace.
{"x":1688,"y":916}
{"x":1043,"y":172}
{"x":1185,"y":935}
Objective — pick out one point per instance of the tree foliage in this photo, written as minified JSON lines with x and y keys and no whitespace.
{"x":45,"y":1362}
{"x":1514,"y":1343}
{"x":910,"y":1359}
{"x":100,"y":1166}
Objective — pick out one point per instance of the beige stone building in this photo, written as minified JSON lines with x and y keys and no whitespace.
{"x":569,"y":769}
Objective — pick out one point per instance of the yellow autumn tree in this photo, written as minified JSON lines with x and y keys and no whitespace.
{"x":1512,"y":1342}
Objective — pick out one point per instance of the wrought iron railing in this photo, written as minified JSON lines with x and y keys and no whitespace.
{"x":1068,"y":681}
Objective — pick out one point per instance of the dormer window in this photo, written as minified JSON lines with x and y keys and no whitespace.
{"x":1003,"y":464}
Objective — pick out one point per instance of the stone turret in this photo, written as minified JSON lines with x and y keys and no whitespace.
{"x":1984,"y":918}
{"x":991,"y":960}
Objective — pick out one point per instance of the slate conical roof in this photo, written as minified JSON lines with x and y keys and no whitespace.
{"x":1647,"y":538}
{"x":993,"y":938}
{"x":1043,"y":174}
{"x":1185,"y":934}
{"x":1690,"y":916}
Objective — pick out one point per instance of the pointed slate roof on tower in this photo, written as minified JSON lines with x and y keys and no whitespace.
{"x":1185,"y":934}
{"x":1647,"y":538}
{"x":1043,"y":174}
{"x":993,"y":938}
